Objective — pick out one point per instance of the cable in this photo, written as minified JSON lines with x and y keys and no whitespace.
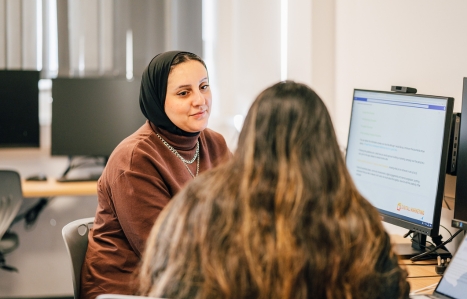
{"x":431,"y":286}
{"x":446,"y":229}
{"x":446,"y":202}
{"x":31,"y":216}
{"x":421,"y":245}
{"x":439,"y":240}
{"x":4,"y":266}
{"x":418,"y":257}
{"x":408,"y":233}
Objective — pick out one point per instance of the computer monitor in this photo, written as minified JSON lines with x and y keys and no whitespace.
{"x":397,"y":154}
{"x":460,"y":201}
{"x":19,"y":109}
{"x":91,"y":116}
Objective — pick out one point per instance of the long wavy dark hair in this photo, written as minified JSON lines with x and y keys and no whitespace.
{"x":282,"y":219}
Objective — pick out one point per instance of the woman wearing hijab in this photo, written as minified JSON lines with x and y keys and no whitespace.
{"x":149,"y":167}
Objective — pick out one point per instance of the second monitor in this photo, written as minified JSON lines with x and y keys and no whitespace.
{"x":397,"y":154}
{"x":91,"y":116}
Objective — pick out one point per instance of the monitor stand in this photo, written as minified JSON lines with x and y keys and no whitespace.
{"x":418,"y":246}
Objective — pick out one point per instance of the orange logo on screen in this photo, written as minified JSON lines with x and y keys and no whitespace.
{"x":399,"y":206}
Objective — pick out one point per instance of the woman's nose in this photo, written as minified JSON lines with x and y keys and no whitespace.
{"x":199,"y":99}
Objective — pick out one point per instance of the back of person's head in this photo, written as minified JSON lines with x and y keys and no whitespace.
{"x":288,"y":134}
{"x":282,"y":219}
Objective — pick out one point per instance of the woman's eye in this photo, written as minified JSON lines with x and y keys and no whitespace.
{"x":205,"y":86}
{"x":183,"y":93}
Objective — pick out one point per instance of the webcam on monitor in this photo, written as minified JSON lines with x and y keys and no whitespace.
{"x":403,"y":89}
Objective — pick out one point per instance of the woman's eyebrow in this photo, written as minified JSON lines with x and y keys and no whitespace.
{"x":189,"y":85}
{"x":184,"y":86}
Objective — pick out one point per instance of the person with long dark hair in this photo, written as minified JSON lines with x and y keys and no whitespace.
{"x":149,"y":167}
{"x":282,"y":219}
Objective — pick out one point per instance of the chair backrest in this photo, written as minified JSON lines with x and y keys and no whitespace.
{"x":75,"y":235}
{"x":11,"y":197}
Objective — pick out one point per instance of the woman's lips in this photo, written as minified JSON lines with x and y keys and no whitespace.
{"x":200,"y":114}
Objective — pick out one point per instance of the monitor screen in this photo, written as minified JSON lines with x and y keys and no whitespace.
{"x":91,"y":116}
{"x":19,"y":108}
{"x":460,"y":203}
{"x":397,"y":154}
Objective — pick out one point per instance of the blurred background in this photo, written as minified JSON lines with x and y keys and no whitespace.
{"x":332,"y":45}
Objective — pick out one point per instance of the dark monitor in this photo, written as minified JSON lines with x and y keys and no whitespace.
{"x":19,"y":109}
{"x":460,"y":202}
{"x":91,"y":116}
{"x":397,"y":155}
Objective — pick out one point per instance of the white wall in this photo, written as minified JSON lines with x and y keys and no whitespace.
{"x":243,"y":54}
{"x":411,"y":43}
{"x":246,"y":58}
{"x":323,"y":40}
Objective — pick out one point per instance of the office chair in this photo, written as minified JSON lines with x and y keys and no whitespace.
{"x":75,"y":235}
{"x":11,"y":197}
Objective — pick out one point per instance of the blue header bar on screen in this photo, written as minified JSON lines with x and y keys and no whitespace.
{"x":401,"y":103}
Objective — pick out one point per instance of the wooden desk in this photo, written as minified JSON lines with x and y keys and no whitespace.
{"x":421,"y":275}
{"x":51,"y":188}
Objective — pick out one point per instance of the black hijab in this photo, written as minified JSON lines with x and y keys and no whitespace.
{"x":154,"y":90}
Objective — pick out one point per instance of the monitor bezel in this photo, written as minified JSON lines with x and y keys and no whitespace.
{"x":460,"y":200}
{"x":91,"y":84}
{"x":417,"y":228}
{"x":33,"y":141}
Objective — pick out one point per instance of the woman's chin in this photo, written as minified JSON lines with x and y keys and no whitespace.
{"x":196,"y":128}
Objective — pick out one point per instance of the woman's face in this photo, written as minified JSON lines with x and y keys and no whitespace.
{"x":188,"y":99}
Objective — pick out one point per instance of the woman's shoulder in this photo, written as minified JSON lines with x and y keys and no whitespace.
{"x":141,"y":140}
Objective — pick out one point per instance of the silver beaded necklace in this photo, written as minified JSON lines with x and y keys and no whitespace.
{"x":185,"y":161}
